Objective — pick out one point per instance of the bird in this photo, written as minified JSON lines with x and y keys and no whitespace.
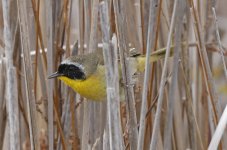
{"x":85,"y":73}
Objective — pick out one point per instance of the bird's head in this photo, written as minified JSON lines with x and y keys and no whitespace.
{"x":71,"y":70}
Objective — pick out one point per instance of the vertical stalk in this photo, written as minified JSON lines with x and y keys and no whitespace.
{"x":120,"y":17}
{"x":50,"y":5}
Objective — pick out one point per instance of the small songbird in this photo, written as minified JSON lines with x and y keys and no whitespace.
{"x":85,"y":74}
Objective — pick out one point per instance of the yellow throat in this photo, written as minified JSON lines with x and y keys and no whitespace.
{"x":94,"y":87}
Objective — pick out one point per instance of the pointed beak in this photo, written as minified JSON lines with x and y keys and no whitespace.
{"x":54,"y":75}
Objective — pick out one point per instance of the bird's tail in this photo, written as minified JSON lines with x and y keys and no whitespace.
{"x":155,"y":56}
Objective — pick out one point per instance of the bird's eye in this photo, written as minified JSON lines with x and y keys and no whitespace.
{"x":71,"y":71}
{"x":61,"y":68}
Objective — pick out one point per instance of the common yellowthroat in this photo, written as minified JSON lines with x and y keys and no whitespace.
{"x":85,"y":74}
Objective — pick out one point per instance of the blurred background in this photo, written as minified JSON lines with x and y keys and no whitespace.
{"x":184,"y":97}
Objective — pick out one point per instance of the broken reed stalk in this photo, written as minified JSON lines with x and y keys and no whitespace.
{"x":112,"y":80}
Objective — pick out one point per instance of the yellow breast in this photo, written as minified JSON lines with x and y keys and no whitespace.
{"x":94,"y":87}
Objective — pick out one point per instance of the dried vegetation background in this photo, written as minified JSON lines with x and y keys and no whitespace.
{"x":176,"y":104}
